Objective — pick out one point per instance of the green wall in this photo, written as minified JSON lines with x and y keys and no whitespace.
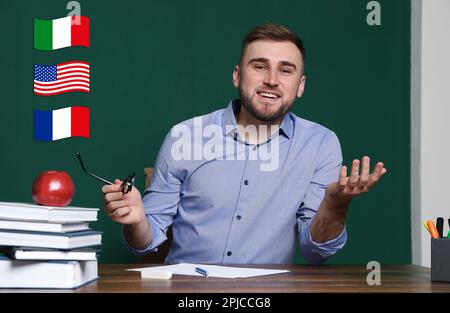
{"x":156,"y":63}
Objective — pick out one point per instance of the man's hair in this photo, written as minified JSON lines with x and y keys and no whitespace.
{"x":273,"y":32}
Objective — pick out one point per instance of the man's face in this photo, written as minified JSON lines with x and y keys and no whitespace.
{"x":269,"y":78}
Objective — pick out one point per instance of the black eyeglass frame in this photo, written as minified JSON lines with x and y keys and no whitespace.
{"x":125,"y":187}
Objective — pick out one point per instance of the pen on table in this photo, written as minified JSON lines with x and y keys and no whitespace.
{"x":440,"y":226}
{"x":202,"y":271}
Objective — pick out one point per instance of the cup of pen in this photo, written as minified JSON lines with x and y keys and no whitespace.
{"x":440,"y":252}
{"x":440,"y":259}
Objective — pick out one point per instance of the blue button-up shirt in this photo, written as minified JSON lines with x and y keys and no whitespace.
{"x":228,"y":209}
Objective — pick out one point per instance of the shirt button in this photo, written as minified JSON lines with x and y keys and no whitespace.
{"x":229,"y":253}
{"x":238,"y":217}
{"x":246,"y":182}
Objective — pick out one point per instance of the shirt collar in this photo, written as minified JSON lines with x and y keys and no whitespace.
{"x":229,"y":123}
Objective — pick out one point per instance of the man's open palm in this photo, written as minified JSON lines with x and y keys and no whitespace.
{"x":348,"y":187}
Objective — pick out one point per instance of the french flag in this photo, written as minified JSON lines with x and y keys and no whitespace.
{"x":61,"y":123}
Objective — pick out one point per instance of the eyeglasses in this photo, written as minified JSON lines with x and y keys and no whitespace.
{"x":125,"y":187}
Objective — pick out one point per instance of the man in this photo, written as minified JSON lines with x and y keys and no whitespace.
{"x":229,"y":210}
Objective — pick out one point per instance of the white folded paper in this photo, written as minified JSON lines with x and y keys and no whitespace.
{"x":213,"y":270}
{"x":156,"y":275}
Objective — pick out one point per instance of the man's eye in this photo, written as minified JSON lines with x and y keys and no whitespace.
{"x":286,"y":71}
{"x":259,"y":67}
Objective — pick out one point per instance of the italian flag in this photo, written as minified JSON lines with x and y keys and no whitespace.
{"x":61,"y":33}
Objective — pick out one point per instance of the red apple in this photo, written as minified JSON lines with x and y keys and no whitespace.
{"x":53,"y":188}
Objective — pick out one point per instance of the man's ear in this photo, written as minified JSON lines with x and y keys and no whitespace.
{"x":236,"y":76}
{"x":301,"y":87}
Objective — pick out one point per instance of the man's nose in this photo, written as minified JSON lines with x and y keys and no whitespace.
{"x":271,"y":78}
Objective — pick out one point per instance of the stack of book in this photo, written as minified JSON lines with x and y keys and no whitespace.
{"x":47,"y":247}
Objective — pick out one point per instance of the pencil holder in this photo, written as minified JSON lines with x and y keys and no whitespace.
{"x":440,"y":259}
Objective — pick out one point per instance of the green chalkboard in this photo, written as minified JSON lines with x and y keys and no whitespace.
{"x":156,"y":63}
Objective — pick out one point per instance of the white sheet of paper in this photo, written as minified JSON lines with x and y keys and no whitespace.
{"x":156,"y":275}
{"x":213,"y":270}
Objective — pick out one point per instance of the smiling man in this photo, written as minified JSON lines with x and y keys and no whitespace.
{"x":226,"y":209}
{"x":268,"y":81}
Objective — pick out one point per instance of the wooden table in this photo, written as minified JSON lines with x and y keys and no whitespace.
{"x":301,"y":278}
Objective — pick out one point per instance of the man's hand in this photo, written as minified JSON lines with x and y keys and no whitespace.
{"x":128,"y":209}
{"x":348,"y":187}
{"x":331,"y":215}
{"x":123,"y":208}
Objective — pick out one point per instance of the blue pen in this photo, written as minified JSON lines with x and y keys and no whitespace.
{"x":202,"y":271}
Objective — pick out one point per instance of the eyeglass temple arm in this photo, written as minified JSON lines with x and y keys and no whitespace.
{"x":93,"y":175}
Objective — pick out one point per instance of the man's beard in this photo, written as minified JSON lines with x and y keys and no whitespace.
{"x":246,"y":102}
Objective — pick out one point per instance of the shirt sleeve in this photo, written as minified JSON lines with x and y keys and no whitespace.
{"x":161,"y":198}
{"x":327,"y":172}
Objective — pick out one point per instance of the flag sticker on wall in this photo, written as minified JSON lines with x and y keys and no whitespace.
{"x":50,"y":80}
{"x":61,"y":33}
{"x":61,"y":123}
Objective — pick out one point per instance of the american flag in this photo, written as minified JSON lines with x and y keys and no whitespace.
{"x":64,"y":77}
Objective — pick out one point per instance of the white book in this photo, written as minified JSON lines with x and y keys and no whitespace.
{"x":52,"y":274}
{"x":50,"y":240}
{"x":43,"y":226}
{"x":43,"y":254}
{"x":26,"y":211}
